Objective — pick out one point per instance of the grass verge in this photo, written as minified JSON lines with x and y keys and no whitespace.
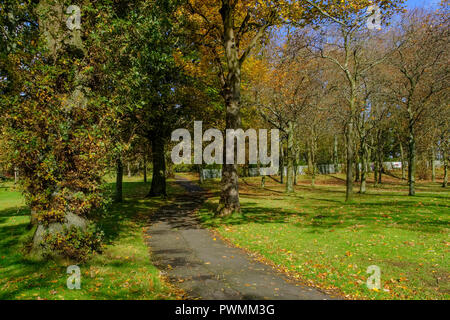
{"x":318,"y":238}
{"x":122,"y":271}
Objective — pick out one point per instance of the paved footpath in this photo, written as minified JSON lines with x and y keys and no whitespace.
{"x":208,"y":269}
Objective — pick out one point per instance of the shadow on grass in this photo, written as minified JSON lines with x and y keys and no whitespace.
{"x":17,"y":273}
{"x":325,"y":214}
{"x":251,"y":213}
{"x":135,"y":207}
{"x":8,"y":213}
{"x":26,"y":277}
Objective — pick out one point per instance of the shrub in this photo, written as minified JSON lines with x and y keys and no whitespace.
{"x":422,"y":171}
{"x":73,"y":243}
{"x":184,"y":168}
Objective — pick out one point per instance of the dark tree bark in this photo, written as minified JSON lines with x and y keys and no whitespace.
{"x":357,"y":171}
{"x":349,"y":146}
{"x":412,"y":158}
{"x":364,"y":166}
{"x":402,"y":155}
{"x":290,"y":159}
{"x":145,"y":168}
{"x":375,"y":172}
{"x":158,"y":187}
{"x":230,"y":78}
{"x":119,"y":180}
{"x":282,"y":162}
{"x":378,"y":170}
{"x":296,"y":166}
{"x":445,"y":159}
{"x":200,"y":173}
{"x":263,"y":177}
{"x":229,"y":197}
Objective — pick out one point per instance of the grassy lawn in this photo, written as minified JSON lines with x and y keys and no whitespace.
{"x":317,"y":238}
{"x":122,"y":271}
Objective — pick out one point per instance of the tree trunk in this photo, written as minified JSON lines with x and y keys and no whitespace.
{"x":313,"y":158}
{"x":282,"y":161}
{"x":433,"y":165}
{"x":412,"y":158}
{"x":376,"y":170}
{"x":229,"y":197}
{"x":379,"y":158}
{"x":200,"y":173}
{"x":145,"y":168}
{"x":297,"y":163}
{"x":335,"y":155}
{"x":445,"y":159}
{"x":129,"y":170}
{"x":158,"y":187}
{"x":357,"y":171}
{"x":290,"y":159}
{"x":170,"y":173}
{"x":402,"y":155}
{"x":263,"y":177}
{"x":364,"y":164}
{"x":349,"y":142}
{"x":59,"y":38}
{"x":119,"y":180}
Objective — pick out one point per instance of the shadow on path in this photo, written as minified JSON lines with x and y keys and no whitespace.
{"x":206,"y":267}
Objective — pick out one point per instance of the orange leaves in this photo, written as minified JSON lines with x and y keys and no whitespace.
{"x":193,"y":69}
{"x":248,"y":17}
{"x":257,"y":69}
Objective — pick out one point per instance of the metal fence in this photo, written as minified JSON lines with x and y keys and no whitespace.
{"x":303,"y":170}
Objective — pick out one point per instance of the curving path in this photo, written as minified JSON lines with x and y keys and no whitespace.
{"x":209,"y":269}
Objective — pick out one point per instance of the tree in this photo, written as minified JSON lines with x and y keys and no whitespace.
{"x":422,"y":73}
{"x":146,"y":85}
{"x":345,"y":49}
{"x":286,"y":93}
{"x":54,"y":129}
{"x":226,"y":33}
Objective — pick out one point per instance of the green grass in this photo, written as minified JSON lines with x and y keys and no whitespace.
{"x":318,"y":238}
{"x":122,"y":271}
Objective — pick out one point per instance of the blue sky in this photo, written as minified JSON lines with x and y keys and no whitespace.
{"x":421,"y":3}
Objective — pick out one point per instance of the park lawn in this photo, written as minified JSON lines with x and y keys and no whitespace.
{"x":122,"y":271}
{"x":315,"y":237}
